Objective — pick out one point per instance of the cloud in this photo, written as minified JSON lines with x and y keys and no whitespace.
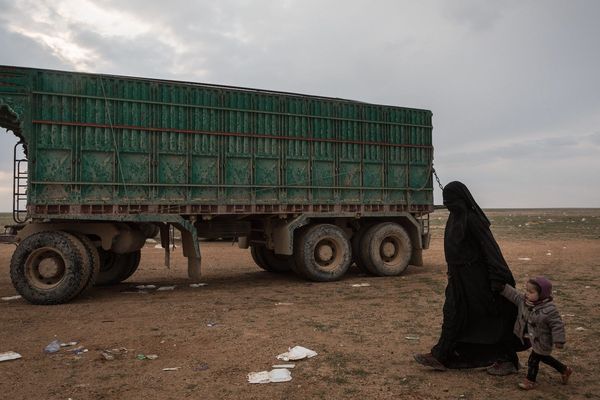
{"x":513,"y":85}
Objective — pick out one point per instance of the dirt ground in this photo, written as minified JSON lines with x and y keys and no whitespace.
{"x":364,"y":336}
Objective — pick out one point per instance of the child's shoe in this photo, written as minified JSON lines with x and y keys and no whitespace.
{"x":565,"y":375}
{"x":527,"y":385}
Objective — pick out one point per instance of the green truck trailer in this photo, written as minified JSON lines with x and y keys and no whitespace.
{"x":310,"y":184}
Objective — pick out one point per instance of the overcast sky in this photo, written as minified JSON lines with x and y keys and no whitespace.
{"x":514,"y":86}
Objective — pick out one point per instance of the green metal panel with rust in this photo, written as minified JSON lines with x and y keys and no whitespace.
{"x":100,"y":139}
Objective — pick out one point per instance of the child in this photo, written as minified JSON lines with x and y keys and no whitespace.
{"x":539,"y":319}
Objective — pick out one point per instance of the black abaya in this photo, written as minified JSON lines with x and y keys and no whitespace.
{"x":478,"y":321}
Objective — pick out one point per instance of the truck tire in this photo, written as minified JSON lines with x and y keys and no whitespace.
{"x":93,"y":258}
{"x":115,"y":268}
{"x":323,"y":253}
{"x":49,"y":268}
{"x":357,"y":254}
{"x":133,"y":262}
{"x":269,"y":261}
{"x":386,"y":249}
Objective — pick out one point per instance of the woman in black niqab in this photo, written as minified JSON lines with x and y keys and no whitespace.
{"x":477,"y":321}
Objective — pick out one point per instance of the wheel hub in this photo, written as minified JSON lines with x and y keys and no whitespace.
{"x":44,"y":268}
{"x":325,"y":252}
{"x":389,"y":249}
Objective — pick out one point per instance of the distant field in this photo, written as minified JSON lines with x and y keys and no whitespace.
{"x":583,"y":223}
{"x":5,"y":219}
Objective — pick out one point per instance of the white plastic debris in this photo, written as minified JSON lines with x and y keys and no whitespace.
{"x":9,"y":298}
{"x":171,"y":369}
{"x":151,"y":241}
{"x":165,"y":288}
{"x":361,"y":285}
{"x":275,"y":375}
{"x":145,"y":287}
{"x":412,"y":337}
{"x":9,"y":355}
{"x":286,"y":366}
{"x":158,"y":246}
{"x":68,"y":344}
{"x":284,"y":304}
{"x":52,"y":347}
{"x":587,"y":287}
{"x":197,"y":285}
{"x":548,"y":254}
{"x":524,"y":259}
{"x":296,"y":353}
{"x":580,"y":329}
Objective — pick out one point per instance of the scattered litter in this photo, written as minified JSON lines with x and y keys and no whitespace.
{"x":171,"y":369}
{"x":361,"y":285}
{"x":145,"y":287}
{"x":9,"y":298}
{"x":78,"y":350}
{"x":211,"y":324}
{"x":548,"y":254}
{"x":412,"y":337}
{"x":158,"y":246}
{"x":275,"y":375}
{"x":582,"y":219}
{"x":146,"y":356}
{"x":165,"y":288}
{"x":524,"y":259}
{"x":296,"y":353}
{"x":197,"y":285}
{"x":9,"y":355}
{"x":569,"y":315}
{"x":286,"y":366}
{"x":284,"y":304}
{"x":52,"y":347}
{"x":580,"y":329}
{"x":201,"y":367}
{"x":587,"y":287}
{"x":107,"y":355}
{"x":111,"y":354}
{"x":151,"y":241}
{"x":69,"y":344}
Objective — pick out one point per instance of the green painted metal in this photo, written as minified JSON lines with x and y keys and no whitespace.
{"x":98,"y":139}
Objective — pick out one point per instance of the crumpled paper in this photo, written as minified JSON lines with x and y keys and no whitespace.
{"x":296,"y":353}
{"x":275,"y":375}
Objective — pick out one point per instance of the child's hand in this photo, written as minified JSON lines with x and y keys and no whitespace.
{"x":559,"y":345}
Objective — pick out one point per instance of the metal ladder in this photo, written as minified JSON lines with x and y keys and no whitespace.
{"x":19,"y":187}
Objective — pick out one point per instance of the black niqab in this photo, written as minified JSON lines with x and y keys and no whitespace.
{"x":477,"y":321}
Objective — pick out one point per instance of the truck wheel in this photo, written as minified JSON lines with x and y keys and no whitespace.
{"x":323,"y":253}
{"x":386,"y":249}
{"x":93,"y":258}
{"x":357,"y":255}
{"x":130,"y":264}
{"x":115,"y":268}
{"x":49,"y":268}
{"x":269,"y":261}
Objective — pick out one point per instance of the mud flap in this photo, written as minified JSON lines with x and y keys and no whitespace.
{"x":191,"y":249}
